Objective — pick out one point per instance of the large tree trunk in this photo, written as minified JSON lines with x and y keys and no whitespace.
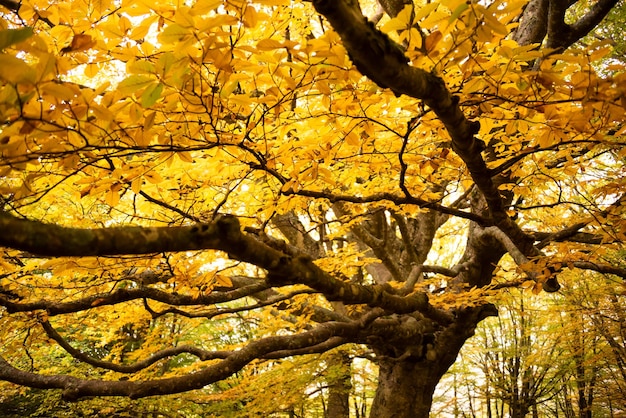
{"x":407,"y":382}
{"x":405,"y":388}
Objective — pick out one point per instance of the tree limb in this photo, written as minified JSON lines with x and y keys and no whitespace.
{"x":368,"y":47}
{"x":135,"y":367}
{"x":223,"y":234}
{"x":75,"y":388}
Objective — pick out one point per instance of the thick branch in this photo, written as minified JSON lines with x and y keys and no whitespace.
{"x":222,"y":234}
{"x":533,"y":23}
{"x":600,"y":268}
{"x":125,"y":295}
{"x":580,"y":237}
{"x":561,"y":35}
{"x":368,"y":48}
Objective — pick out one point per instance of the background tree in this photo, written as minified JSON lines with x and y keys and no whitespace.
{"x":166,"y":165}
{"x":527,"y":362}
{"x":523,"y":371}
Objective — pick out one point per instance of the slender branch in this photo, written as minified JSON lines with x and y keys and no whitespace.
{"x":125,"y":295}
{"x":169,"y":207}
{"x":398,"y":200}
{"x":75,"y":388}
{"x":135,"y":367}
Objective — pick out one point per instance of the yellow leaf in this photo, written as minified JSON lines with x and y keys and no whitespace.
{"x":219,"y":20}
{"x":229,"y":89}
{"x":401,"y":22}
{"x":174,"y":33}
{"x":422,"y":12}
{"x":149,"y":120}
{"x":46,"y":65}
{"x":136,"y":184}
{"x":185,"y":156}
{"x":268,"y":44}
{"x":91,"y":70}
{"x":80,"y":42}
{"x":60,"y":91}
{"x":112,"y":197}
{"x":223,"y":281}
{"x":102,"y":113}
{"x":250,"y":17}
{"x":153,"y":177}
{"x":135,"y":112}
{"x":353,"y":139}
{"x":204,"y":7}
{"x":432,"y":40}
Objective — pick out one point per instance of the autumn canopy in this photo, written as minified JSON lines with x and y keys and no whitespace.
{"x":210,"y":195}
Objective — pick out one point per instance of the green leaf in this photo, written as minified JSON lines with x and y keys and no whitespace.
{"x":457,"y":12}
{"x":10,"y":37}
{"x":133,"y":83}
{"x":14,"y":70}
{"x":151,"y":94}
{"x":141,"y":67}
{"x":174,"y":33}
{"x":165,"y":62}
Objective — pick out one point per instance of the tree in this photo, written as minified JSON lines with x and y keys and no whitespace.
{"x":293,"y":174}
{"x":597,"y":348}
{"x":546,"y":355}
{"x":521,"y":359}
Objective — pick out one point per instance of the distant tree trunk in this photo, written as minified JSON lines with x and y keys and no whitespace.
{"x":519,"y":409}
{"x":339,"y":387}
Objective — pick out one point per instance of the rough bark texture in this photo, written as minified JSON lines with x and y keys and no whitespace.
{"x":408,"y":374}
{"x":544,"y":20}
{"x":405,"y":388}
{"x":406,"y":382}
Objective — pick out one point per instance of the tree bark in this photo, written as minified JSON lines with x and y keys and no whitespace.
{"x":339,"y":387}
{"x":407,"y":382}
{"x":405,"y":388}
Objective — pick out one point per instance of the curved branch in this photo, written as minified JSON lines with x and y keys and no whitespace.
{"x":398,"y":200}
{"x":600,"y":268}
{"x":368,"y":47}
{"x":125,"y":295}
{"x":561,"y":35}
{"x":135,"y":367}
{"x":315,"y":349}
{"x":75,"y":388}
{"x":580,"y":237}
{"x":270,"y":300}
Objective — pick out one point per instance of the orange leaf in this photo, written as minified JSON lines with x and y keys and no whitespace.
{"x":432,"y":40}
{"x":80,"y":42}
